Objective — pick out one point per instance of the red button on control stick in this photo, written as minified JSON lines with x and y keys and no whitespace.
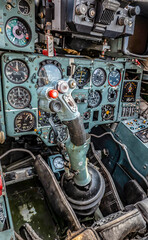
{"x":53,"y":93}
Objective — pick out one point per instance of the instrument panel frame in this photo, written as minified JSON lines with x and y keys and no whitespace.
{"x":34,"y":62}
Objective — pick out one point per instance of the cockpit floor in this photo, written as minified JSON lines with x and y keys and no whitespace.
{"x":28,"y":205}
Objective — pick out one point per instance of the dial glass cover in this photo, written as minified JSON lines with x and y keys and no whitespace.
{"x":98,"y":77}
{"x":16,"y":71}
{"x":24,"y":121}
{"x":19,"y":97}
{"x":24,"y":7}
{"x":86,"y":115}
{"x":114,"y":78}
{"x":94,"y":99}
{"x":107,"y":112}
{"x":58,"y":162}
{"x":18,"y":32}
{"x":48,"y":73}
{"x":112,"y":95}
{"x":82,"y":76}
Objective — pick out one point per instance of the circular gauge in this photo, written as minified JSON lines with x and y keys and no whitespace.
{"x":24,"y":122}
{"x":24,"y":7}
{"x":19,"y":97}
{"x":112,"y":95}
{"x":107,"y":112}
{"x":48,"y":73}
{"x":94,"y":99}
{"x":58,"y":162}
{"x":18,"y":32}
{"x":16,"y":71}
{"x":82,"y":76}
{"x":98,"y":77}
{"x":62,"y":134}
{"x":114,"y":78}
{"x":86,"y":115}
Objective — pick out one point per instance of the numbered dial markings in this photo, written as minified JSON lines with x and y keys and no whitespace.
{"x":82,"y":76}
{"x":58,"y":162}
{"x":94,"y":99}
{"x":19,"y":97}
{"x":86,"y":115}
{"x":114,"y":78}
{"x":48,"y":73}
{"x":24,"y":7}
{"x":107,"y":112}
{"x":18,"y":32}
{"x":112,"y":95}
{"x":98,"y":77}
{"x":24,"y":122}
{"x":16,"y":71}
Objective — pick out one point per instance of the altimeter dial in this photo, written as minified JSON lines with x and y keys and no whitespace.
{"x":17,"y":71}
{"x":19,"y":97}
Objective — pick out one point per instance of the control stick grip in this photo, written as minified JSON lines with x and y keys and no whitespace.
{"x":76,"y":131}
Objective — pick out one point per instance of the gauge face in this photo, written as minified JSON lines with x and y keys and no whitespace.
{"x":114,"y":78}
{"x":24,"y":122}
{"x":82,"y":76}
{"x":16,"y":71}
{"x":94,"y":99}
{"x":58,"y":162}
{"x":86,"y":115}
{"x":107,"y":112}
{"x":129,"y":91}
{"x":24,"y":7}
{"x":18,"y":32}
{"x":19,"y":97}
{"x":48,"y":73}
{"x":98,"y":77}
{"x":112,"y":95}
{"x":62,"y":134}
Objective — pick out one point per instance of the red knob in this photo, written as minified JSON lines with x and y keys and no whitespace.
{"x":53,"y":93}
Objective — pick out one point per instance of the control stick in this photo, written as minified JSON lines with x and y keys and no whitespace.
{"x":87,"y":185}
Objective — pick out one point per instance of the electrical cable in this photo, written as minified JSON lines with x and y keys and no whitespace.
{"x":18,"y":150}
{"x":126,"y":152}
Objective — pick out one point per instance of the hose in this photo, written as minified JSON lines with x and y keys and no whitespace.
{"x":18,"y":150}
{"x":126,"y":152}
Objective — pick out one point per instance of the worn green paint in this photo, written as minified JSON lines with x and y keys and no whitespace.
{"x":78,"y":162}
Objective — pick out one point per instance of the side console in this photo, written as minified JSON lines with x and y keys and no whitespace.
{"x":134,"y":134}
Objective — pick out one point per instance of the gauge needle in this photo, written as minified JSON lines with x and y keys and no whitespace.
{"x":26,"y":117}
{"x":80,"y":77}
{"x":13,"y":68}
{"x":17,"y":66}
{"x":19,"y":92}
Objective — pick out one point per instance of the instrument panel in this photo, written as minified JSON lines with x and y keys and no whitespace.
{"x":99,"y":93}
{"x":17,"y":26}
